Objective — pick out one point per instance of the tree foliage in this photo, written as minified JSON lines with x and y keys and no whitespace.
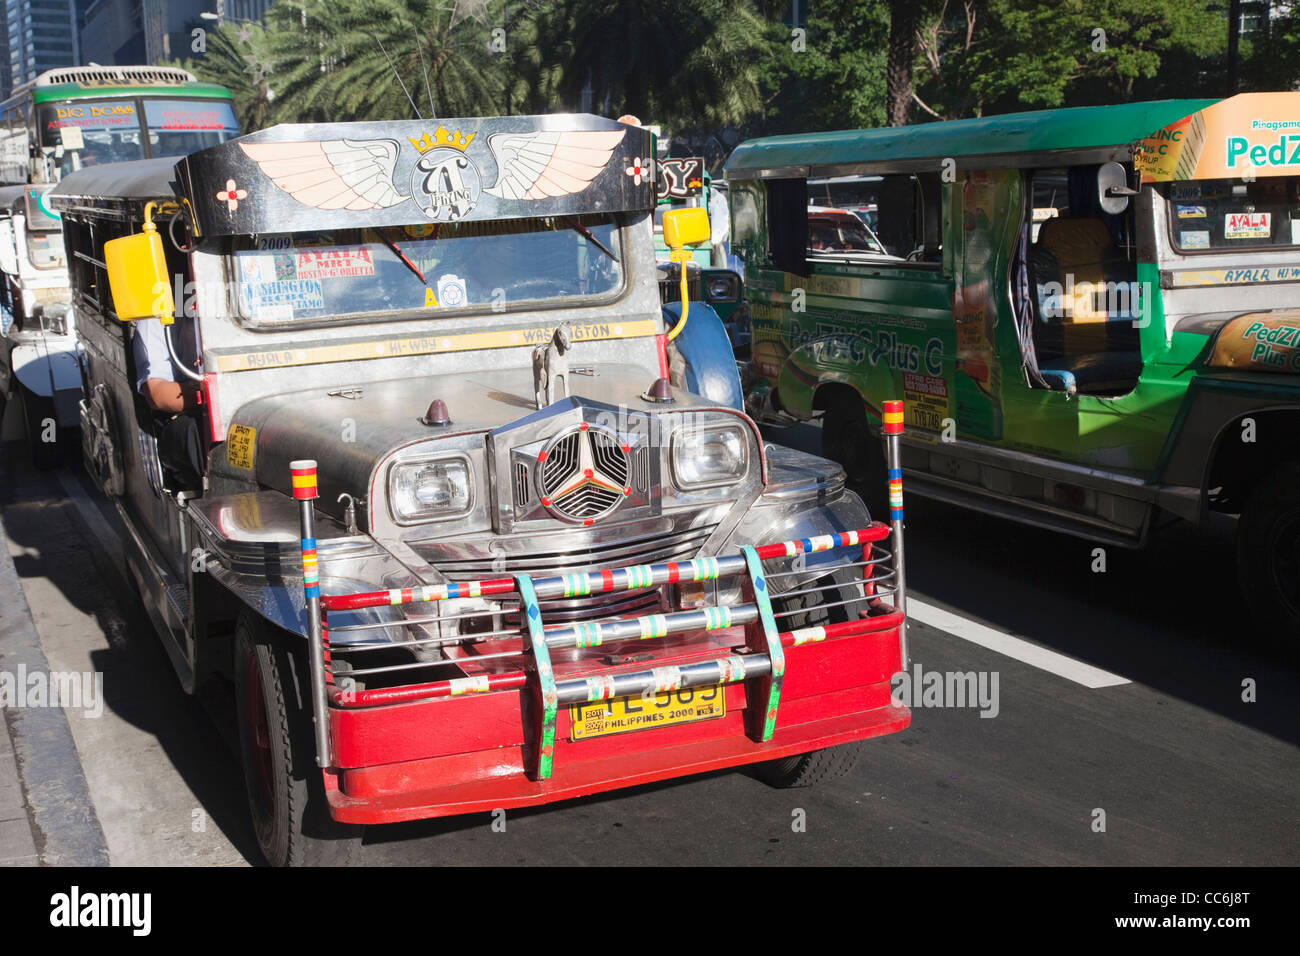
{"x":708,"y":64}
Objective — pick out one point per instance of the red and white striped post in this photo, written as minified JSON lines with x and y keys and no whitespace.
{"x":304,"y":492}
{"x":893,"y":428}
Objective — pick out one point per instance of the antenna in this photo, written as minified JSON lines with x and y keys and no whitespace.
{"x":433,"y":113}
{"x":392,"y":67}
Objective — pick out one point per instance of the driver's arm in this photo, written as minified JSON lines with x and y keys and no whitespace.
{"x":155,"y":378}
{"x":172,"y":397}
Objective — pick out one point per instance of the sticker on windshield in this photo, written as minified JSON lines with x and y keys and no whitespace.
{"x":1186,"y":192}
{"x":341,"y":263}
{"x":280,"y":299}
{"x":451,"y":291}
{"x":1191,"y":212}
{"x":1247,"y":225}
{"x":1194,"y":239}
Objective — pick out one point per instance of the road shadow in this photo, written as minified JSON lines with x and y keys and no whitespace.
{"x":140,"y":685}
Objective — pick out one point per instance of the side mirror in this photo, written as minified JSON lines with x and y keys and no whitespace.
{"x":685,"y":227}
{"x":1113,"y":190}
{"x":137,"y":276}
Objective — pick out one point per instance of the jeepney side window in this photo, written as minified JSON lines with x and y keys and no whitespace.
{"x":908,"y":216}
{"x":877,"y":219}
{"x":787,"y":225}
{"x":746,"y":221}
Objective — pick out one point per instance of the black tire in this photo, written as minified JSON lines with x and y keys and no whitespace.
{"x":286,"y":797}
{"x":1268,"y":557}
{"x":804,"y":770}
{"x":847,"y":440}
{"x":46,"y":455}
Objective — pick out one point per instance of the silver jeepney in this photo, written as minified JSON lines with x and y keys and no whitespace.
{"x":525,"y":422}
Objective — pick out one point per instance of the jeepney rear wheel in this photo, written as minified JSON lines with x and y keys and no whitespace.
{"x":286,"y":796}
{"x":1268,"y":557}
{"x":847,"y":440}
{"x":804,"y":770}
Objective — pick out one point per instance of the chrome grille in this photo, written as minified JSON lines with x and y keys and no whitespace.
{"x":645,"y":549}
{"x":584,"y":474}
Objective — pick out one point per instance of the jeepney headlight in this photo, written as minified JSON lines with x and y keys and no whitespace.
{"x":709,"y":457}
{"x":431,"y":489}
{"x":723,"y":289}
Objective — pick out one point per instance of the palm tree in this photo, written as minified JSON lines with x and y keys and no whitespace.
{"x":682,"y":62}
{"x":369,"y":60}
{"x":238,"y":57}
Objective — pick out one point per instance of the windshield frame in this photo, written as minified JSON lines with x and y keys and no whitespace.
{"x":236,"y":310}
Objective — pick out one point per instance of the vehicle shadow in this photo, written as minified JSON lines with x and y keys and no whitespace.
{"x":1168,"y":616}
{"x":139,"y":686}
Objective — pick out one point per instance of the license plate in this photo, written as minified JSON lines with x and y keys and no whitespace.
{"x":625,"y":714}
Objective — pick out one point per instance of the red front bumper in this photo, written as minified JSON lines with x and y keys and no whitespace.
{"x":449,"y":755}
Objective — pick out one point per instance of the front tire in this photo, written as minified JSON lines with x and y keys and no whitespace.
{"x":804,"y":770}
{"x":1268,"y":557}
{"x":847,"y":439}
{"x":286,"y":796}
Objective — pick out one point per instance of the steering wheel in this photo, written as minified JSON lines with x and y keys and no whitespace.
{"x":916,"y":254}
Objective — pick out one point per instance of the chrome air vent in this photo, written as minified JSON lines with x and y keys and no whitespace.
{"x":583,"y":474}
{"x":641,"y":469}
{"x":523,"y":494}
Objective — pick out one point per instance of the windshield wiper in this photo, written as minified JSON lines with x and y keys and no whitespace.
{"x":402,"y":256}
{"x":586,"y":233}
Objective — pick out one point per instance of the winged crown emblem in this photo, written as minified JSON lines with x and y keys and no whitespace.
{"x":357,"y":175}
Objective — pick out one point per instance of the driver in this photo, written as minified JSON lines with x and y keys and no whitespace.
{"x":172,"y":395}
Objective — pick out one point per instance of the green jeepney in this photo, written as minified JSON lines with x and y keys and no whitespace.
{"x":1093,"y":315}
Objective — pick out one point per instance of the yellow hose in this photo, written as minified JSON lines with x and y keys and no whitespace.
{"x":680,"y":257}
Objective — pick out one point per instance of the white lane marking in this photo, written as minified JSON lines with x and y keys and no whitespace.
{"x":1014,"y":647}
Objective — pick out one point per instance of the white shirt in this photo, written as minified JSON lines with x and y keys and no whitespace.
{"x":149,"y":346}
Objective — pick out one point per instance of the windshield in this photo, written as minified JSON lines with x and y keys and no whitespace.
{"x":181,"y":127}
{"x":462,"y":267}
{"x":97,"y":132}
{"x":109,"y":131}
{"x":45,"y":249}
{"x":1220,"y":214}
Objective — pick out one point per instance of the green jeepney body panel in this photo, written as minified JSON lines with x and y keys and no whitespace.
{"x":943,"y":334}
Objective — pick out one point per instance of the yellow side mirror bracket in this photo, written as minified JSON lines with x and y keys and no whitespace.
{"x":684,"y":227}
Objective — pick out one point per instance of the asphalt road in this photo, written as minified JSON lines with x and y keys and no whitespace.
{"x":1185,"y":771}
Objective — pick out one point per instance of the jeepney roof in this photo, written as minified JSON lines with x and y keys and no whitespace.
{"x":1098,"y":133}
{"x":116,"y":189}
{"x":304,"y":177}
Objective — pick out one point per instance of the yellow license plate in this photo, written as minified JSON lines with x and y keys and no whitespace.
{"x":624,"y":714}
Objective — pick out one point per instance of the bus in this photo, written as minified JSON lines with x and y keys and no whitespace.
{"x":1091,"y":314}
{"x":63,"y":121}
